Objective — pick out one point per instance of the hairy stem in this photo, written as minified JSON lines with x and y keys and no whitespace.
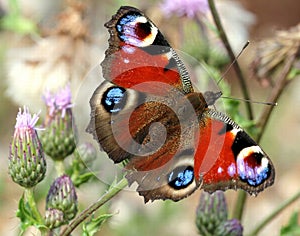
{"x":113,"y":191}
{"x":29,"y":198}
{"x":236,"y":66}
{"x":60,"y":167}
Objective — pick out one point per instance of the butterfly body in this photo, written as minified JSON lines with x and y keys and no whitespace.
{"x":146,"y":112}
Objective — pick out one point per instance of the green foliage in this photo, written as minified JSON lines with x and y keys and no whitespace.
{"x":91,"y":227}
{"x":14,"y":21}
{"x":26,"y":216}
{"x":79,"y":172}
{"x":293,"y":227}
{"x":294,"y":73}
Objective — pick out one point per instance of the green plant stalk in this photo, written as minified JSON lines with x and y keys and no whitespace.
{"x":29,"y":198}
{"x":282,"y":82}
{"x":239,"y":205}
{"x":60,"y":167}
{"x":242,"y":197}
{"x":236,"y":66}
{"x":277,"y":91}
{"x":275,"y":213}
{"x":113,"y":191}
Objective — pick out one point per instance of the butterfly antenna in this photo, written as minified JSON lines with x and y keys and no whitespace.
{"x":234,"y":61}
{"x":257,"y":102}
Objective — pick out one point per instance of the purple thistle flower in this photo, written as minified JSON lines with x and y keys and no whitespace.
{"x":60,"y":101}
{"x":59,"y":138}
{"x":211,"y":212}
{"x":27,"y":164}
{"x":62,"y":196}
{"x":54,"y":218}
{"x":231,"y":227}
{"x":188,"y":8}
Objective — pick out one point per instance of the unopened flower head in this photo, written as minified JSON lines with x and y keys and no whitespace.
{"x":211,"y":212}
{"x":62,"y":196}
{"x":188,"y":8}
{"x":231,"y":227}
{"x":54,"y":218}
{"x":87,"y":152}
{"x":59,"y":137}
{"x":27,"y":164}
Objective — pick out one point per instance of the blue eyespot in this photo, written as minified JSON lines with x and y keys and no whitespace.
{"x":251,"y":170}
{"x":114,"y":99}
{"x":181,"y":177}
{"x":125,"y":21}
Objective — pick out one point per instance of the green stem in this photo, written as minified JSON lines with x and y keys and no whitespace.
{"x":242,"y":197}
{"x":275,"y":213}
{"x":113,"y":191}
{"x":29,"y":198}
{"x":238,"y":210}
{"x":60,"y":167}
{"x":236,"y":66}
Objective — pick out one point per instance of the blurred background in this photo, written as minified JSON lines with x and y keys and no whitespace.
{"x":46,"y":44}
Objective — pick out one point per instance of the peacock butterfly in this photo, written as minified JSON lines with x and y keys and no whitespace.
{"x":147,"y":114}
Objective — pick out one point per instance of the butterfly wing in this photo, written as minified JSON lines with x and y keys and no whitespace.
{"x":139,"y":53}
{"x":227,"y":157}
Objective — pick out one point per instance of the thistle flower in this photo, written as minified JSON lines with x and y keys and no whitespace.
{"x":27,"y":164}
{"x":59,"y":139}
{"x":87,"y":152}
{"x":230,"y":228}
{"x":274,"y":52}
{"x":211,"y":212}
{"x":212,"y":216}
{"x":188,"y":8}
{"x":54,"y":218}
{"x":61,"y":196}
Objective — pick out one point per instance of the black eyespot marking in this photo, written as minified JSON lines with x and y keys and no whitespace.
{"x":114,"y":99}
{"x":226,"y":128}
{"x":181,"y":177}
{"x":143,"y":30}
{"x":242,"y":140}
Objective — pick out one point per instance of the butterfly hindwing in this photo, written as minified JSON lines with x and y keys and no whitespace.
{"x":227,"y":157}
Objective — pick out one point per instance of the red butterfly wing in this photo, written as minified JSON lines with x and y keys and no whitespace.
{"x":226,"y":157}
{"x":139,"y":53}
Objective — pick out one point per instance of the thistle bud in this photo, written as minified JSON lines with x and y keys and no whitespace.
{"x":230,"y":228}
{"x":27,"y":164}
{"x":87,"y":152}
{"x":211,"y":212}
{"x":59,"y":137}
{"x":54,"y":218}
{"x":62,"y":196}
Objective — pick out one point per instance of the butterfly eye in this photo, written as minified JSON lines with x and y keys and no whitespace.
{"x":114,"y":99}
{"x":181,"y":177}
